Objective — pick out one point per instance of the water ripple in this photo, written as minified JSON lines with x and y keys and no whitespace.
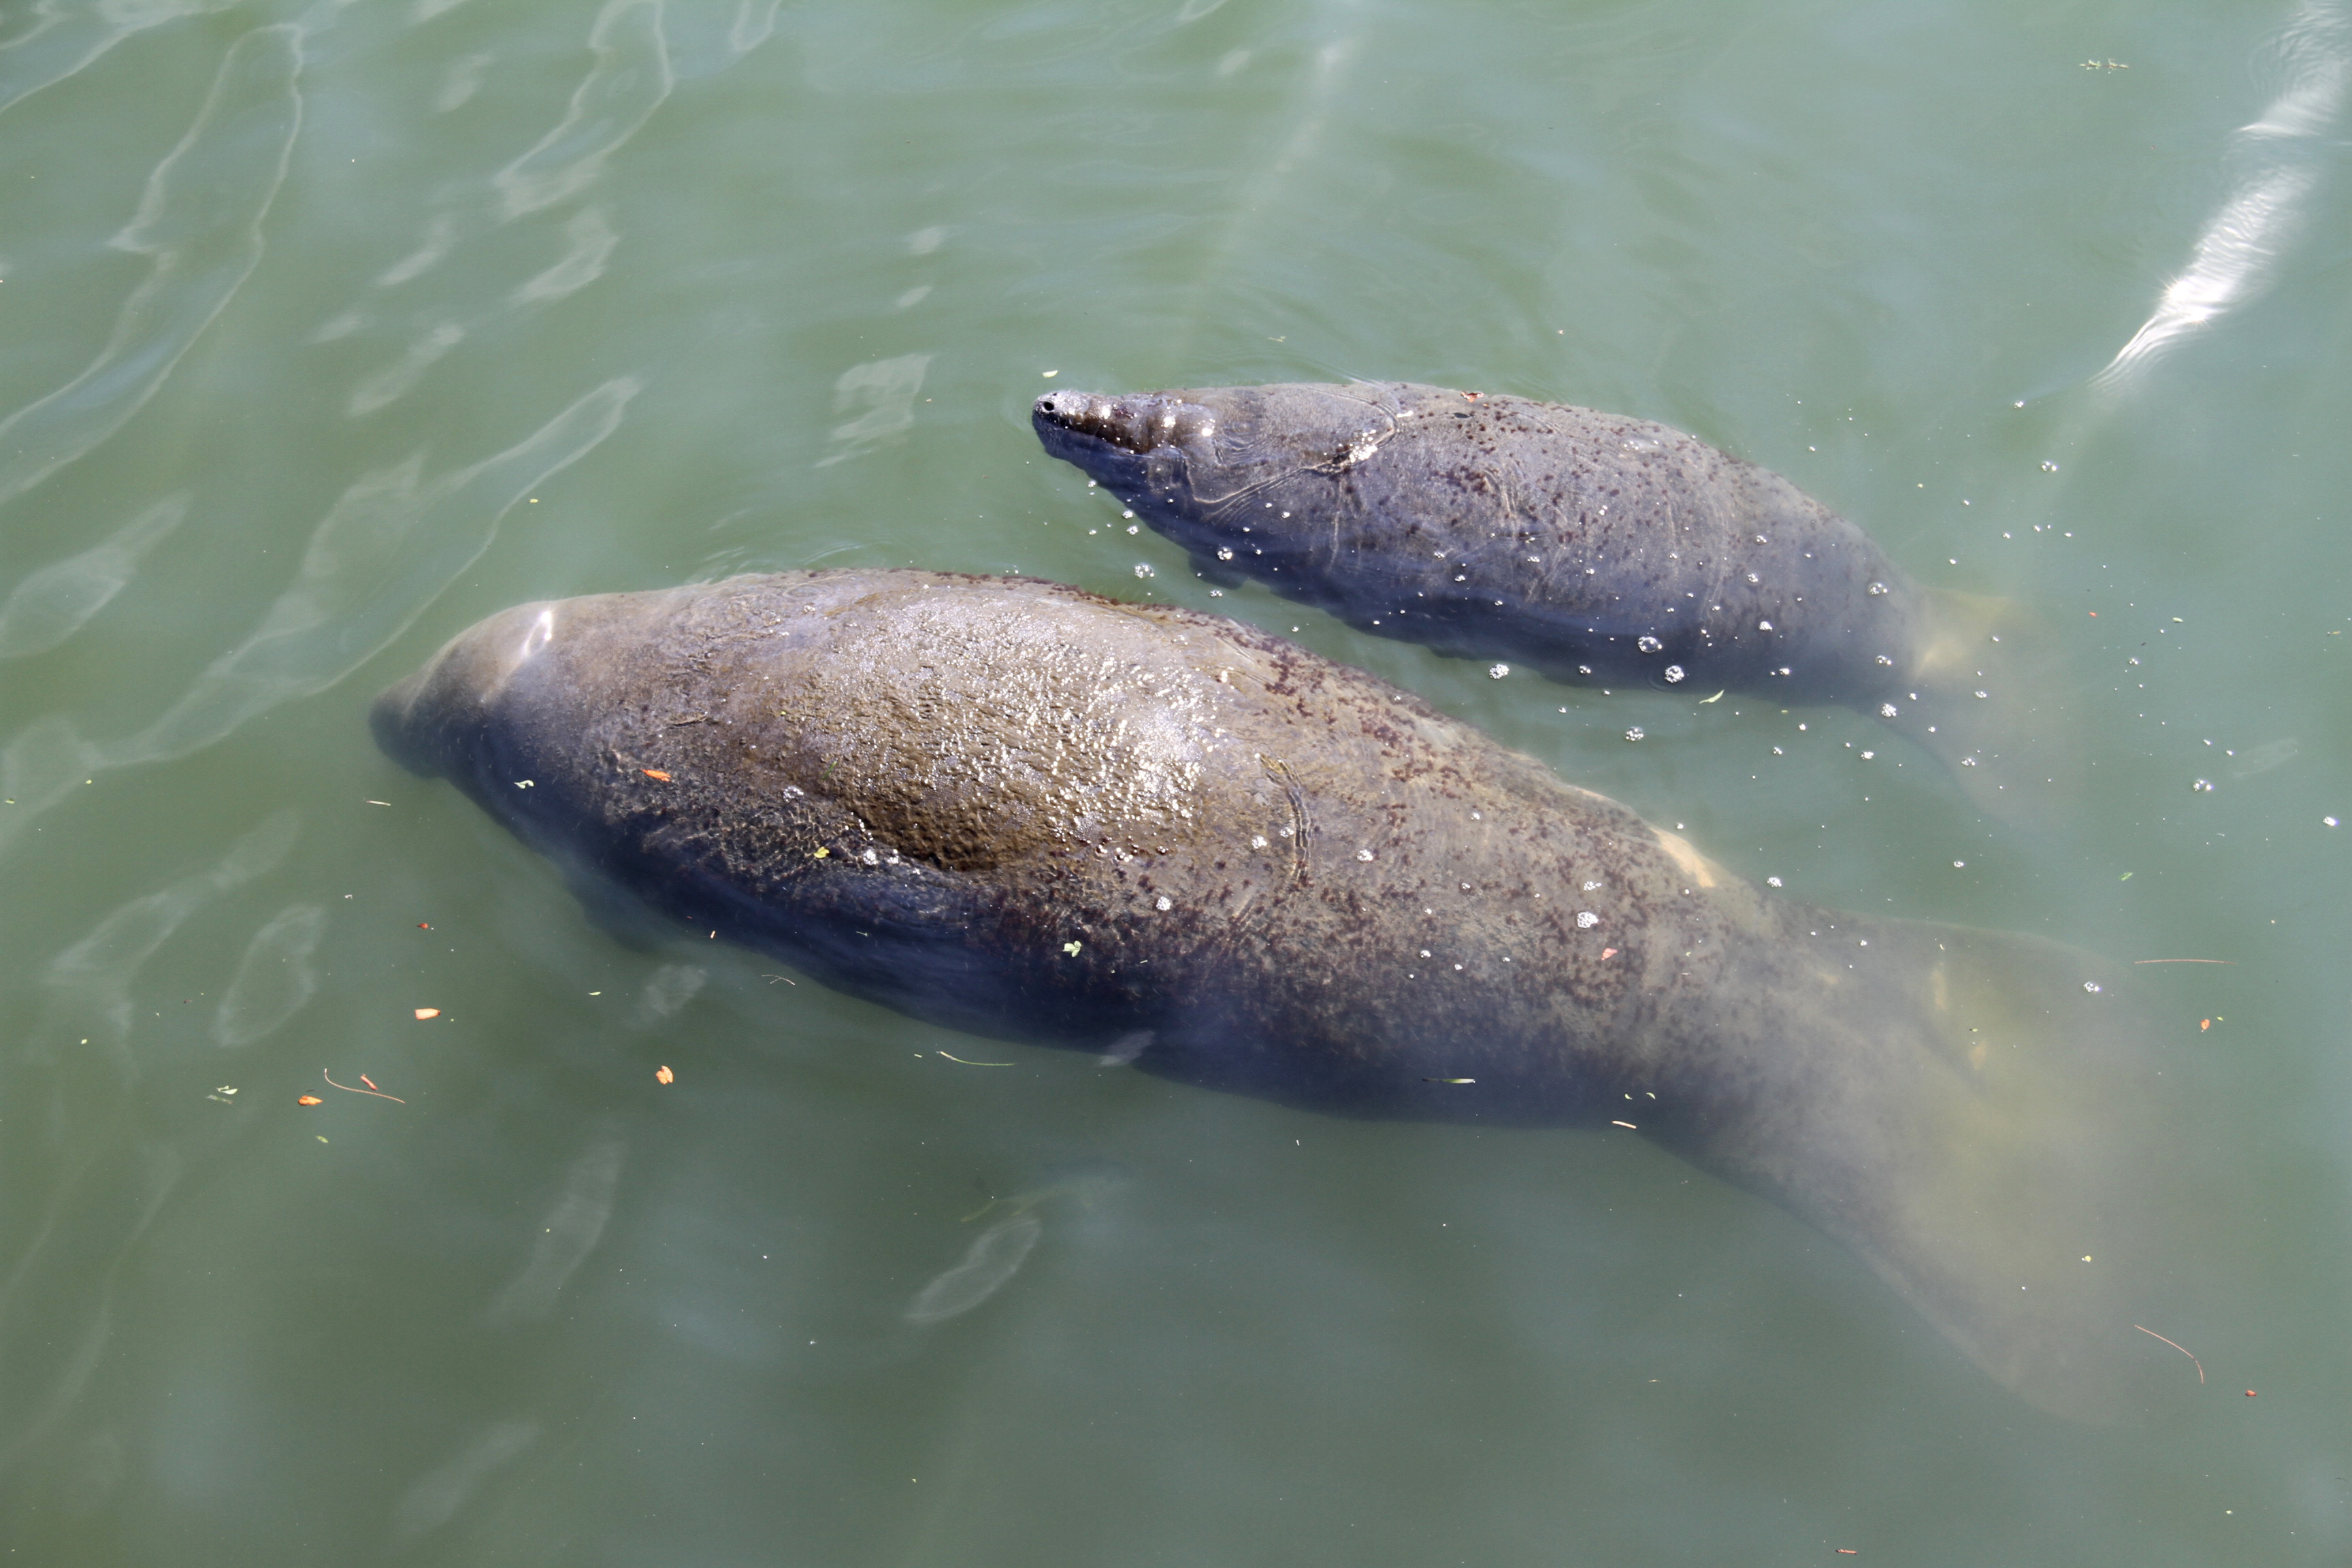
{"x":628,"y":81}
{"x":57,"y":600}
{"x":387,"y":549}
{"x":200,"y":220}
{"x":66,"y":38}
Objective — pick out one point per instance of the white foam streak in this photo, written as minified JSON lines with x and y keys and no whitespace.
{"x":52,"y":604}
{"x":755,"y":20}
{"x":274,"y":980}
{"x":568,"y":1233}
{"x":200,"y":219}
{"x":2236,"y":257}
{"x":995,"y":1255}
{"x":435,"y":1499}
{"x":68,"y":38}
{"x":386,"y":549}
{"x":90,"y":981}
{"x":887,"y":389}
{"x":591,"y":239}
{"x":630,"y":79}
{"x":394,"y":380}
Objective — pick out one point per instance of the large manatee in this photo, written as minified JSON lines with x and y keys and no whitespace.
{"x":1025,"y":811}
{"x":1595,"y":547}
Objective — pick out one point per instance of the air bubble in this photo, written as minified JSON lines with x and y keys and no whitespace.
{"x":1876,"y":589}
{"x":1887,"y":710}
{"x":1591,"y":887}
{"x":1981,"y":694}
{"x":1957,"y":865}
{"x":1164,"y":903}
{"x":1126,"y":514}
{"x":1886,"y":662}
{"x":2203,"y":786}
{"x":1363,"y":854}
{"x":2092,"y":986}
{"x":1580,"y":669}
{"x":1763,"y":626}
{"x":871,"y":858}
{"x":1498,"y":670}
{"x":1674,"y":672}
{"x":1771,"y":881}
{"x":1224,"y":552}
{"x":1753,"y":578}
{"x":1648,"y":644}
{"x":1257,"y":840}
{"x":1635,"y":734}
{"x":1143,"y":569}
{"x":1586,"y":919}
{"x":2050,"y":467}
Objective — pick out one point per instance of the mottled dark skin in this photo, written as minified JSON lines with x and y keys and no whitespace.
{"x":1597,"y":548}
{"x":1020,"y":810}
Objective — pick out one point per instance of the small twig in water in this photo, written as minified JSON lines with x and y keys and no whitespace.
{"x":787,"y":978}
{"x":2183,"y":961}
{"x":976,"y":1064}
{"x":371,"y":1088}
{"x":2182,"y":1348}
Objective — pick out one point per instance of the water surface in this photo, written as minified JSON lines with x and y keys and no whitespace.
{"x":333,"y":328}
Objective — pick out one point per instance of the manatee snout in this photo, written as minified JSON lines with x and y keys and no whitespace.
{"x":1137,"y":424}
{"x":418,"y":722}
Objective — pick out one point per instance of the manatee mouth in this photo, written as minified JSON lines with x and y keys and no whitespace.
{"x":1138,"y":423}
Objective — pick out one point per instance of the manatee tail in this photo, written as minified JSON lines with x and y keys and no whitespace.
{"x":1983,"y":693}
{"x":1975,"y":1115}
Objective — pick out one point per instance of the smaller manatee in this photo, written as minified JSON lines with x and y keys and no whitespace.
{"x":1597,"y":548}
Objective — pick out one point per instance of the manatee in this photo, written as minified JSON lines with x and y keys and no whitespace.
{"x":1020,"y":810}
{"x":1593,"y":547}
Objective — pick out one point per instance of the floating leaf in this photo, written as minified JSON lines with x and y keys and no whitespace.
{"x":655,"y":773}
{"x":310,"y":1099}
{"x":425,"y":1012}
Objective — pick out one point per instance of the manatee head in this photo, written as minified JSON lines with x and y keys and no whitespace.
{"x":1194,"y":463}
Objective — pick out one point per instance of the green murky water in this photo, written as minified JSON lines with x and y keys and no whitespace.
{"x":333,"y":328}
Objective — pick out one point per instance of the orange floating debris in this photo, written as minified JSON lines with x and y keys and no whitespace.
{"x":310,"y":1099}
{"x":425,"y":1012}
{"x":2204,"y":1025}
{"x":663,"y":1075}
{"x":1608,"y":953}
{"x":423,"y":926}
{"x":655,"y":773}
{"x":2249,"y":1393}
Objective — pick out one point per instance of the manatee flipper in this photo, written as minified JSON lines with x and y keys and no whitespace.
{"x":1967,"y":1129}
{"x":1983,"y":693}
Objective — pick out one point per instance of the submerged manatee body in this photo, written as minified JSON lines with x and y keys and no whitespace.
{"x":1019,"y":809}
{"x":1595,"y":547}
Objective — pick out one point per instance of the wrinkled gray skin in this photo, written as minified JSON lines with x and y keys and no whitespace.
{"x":1596,"y":548}
{"x":1017,"y":809}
